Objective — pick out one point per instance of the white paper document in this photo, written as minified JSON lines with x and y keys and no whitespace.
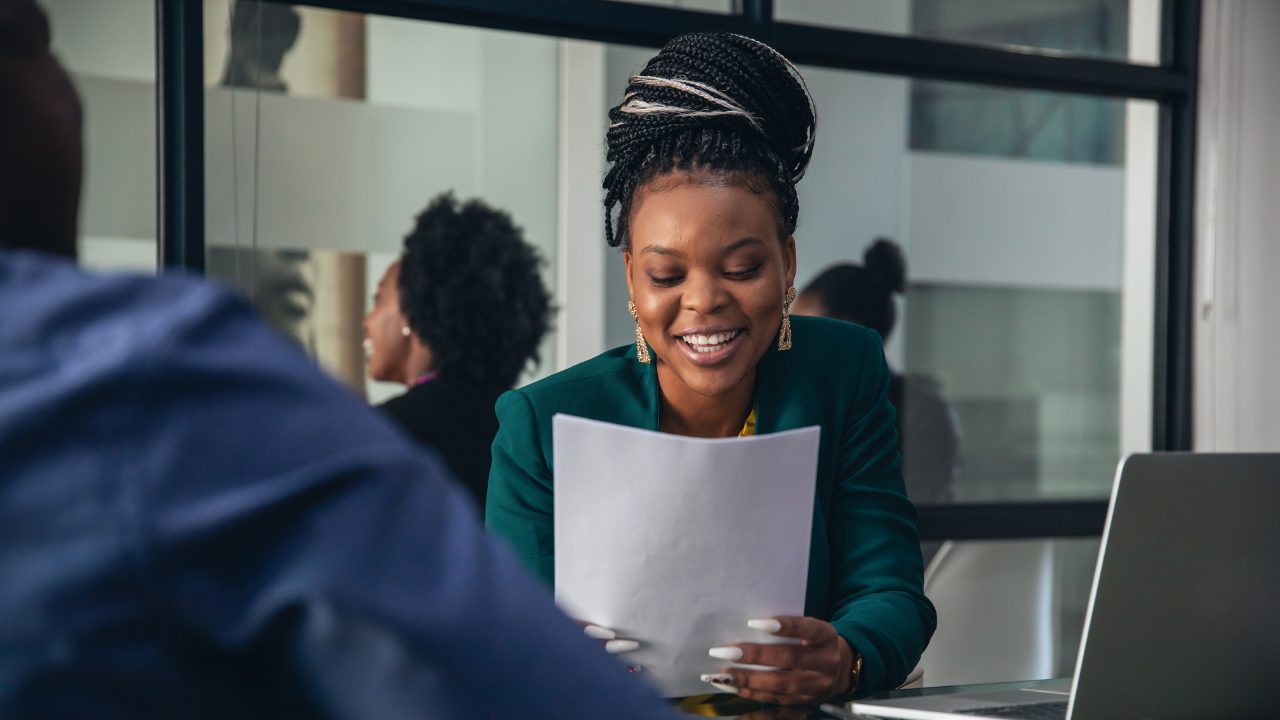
{"x":677,"y":542}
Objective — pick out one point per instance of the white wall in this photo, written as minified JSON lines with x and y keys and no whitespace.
{"x":854,"y":188}
{"x":1237,"y":341}
{"x":331,"y":174}
{"x":106,"y":39}
{"x":1006,"y":222}
{"x":581,"y":257}
{"x":116,"y":82}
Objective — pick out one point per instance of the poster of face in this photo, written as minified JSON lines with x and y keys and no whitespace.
{"x":315,"y":297}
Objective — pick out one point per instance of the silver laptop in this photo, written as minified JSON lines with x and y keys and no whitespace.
{"x":1184,"y":616}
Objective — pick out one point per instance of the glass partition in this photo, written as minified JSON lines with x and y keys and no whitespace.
{"x":1027,"y":228}
{"x":723,"y":7}
{"x":1008,"y":609}
{"x":1022,"y":345}
{"x":327,"y":133}
{"x":1026,"y":220}
{"x":1101,"y":29}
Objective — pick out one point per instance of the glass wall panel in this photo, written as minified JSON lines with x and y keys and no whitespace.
{"x":723,"y":7}
{"x":1020,"y":347}
{"x":109,"y":51}
{"x":1022,"y":336}
{"x":1022,"y":341}
{"x":1107,"y":29}
{"x":327,"y":133}
{"x":1008,"y":609}
{"x":976,"y":120}
{"x":1022,"y":244}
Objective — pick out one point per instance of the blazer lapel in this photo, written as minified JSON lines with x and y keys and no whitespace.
{"x":772,"y":411}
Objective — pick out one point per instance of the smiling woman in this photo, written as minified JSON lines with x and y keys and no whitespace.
{"x":708,"y":273}
{"x":707,"y":146}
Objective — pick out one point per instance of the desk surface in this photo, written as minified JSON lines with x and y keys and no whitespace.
{"x":732,"y":706}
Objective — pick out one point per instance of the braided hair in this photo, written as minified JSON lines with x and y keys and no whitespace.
{"x":714,"y":102}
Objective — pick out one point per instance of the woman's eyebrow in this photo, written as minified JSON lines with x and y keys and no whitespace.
{"x":672,"y":252}
{"x":661,"y":250}
{"x":744,"y":242}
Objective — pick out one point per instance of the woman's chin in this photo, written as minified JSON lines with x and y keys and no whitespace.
{"x":714,"y":381}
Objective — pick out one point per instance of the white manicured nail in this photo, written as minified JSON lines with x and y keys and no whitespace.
{"x":596,"y":632}
{"x":725,"y":688}
{"x":768,"y":625}
{"x":729,"y":653}
{"x":614,"y":647}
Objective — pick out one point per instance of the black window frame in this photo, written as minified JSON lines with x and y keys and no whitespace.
{"x":1172,"y":84}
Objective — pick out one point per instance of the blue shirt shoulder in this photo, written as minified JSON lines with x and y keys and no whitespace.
{"x":195,"y":521}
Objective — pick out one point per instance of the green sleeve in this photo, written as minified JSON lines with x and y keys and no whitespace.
{"x":520,"y":501}
{"x":878,"y":603}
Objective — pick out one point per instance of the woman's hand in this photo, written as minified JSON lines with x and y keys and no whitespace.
{"x":814,"y":670}
{"x":613,"y":644}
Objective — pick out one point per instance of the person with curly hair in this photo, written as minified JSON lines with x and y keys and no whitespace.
{"x":707,"y":147}
{"x":456,"y":319}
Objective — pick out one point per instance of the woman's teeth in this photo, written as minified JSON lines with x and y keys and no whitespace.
{"x":710,"y":343}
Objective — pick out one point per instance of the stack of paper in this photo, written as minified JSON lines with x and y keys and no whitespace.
{"x":677,"y":542}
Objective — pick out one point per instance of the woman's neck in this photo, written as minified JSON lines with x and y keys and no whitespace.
{"x":684,"y":412}
{"x":417,"y":364}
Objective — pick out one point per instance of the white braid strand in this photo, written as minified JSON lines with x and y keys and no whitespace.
{"x":634,"y":106}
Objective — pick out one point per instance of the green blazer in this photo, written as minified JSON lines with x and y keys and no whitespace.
{"x":865,"y":570}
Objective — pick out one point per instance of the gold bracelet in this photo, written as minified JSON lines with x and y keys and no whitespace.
{"x":855,"y":672}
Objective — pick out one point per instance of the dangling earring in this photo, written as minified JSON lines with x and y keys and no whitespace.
{"x":642,"y":347}
{"x":784,"y":336}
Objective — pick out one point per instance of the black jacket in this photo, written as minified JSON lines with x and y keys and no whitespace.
{"x":457,"y":421}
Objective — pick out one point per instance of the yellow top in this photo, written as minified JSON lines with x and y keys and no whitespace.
{"x":749,"y":427}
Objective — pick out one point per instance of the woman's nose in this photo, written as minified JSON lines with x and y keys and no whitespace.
{"x":705,"y":294}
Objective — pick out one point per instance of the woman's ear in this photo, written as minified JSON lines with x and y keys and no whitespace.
{"x":788,"y":259}
{"x":626,"y":262}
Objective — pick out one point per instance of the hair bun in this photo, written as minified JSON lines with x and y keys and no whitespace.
{"x":723,"y":79}
{"x":713,"y":101}
{"x":886,"y":265}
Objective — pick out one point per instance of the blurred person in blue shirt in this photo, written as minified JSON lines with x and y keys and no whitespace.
{"x":194,"y":522}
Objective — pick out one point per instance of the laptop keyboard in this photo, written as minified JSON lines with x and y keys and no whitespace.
{"x":1029,"y":711}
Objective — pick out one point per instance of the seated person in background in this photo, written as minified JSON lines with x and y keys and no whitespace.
{"x":456,"y":319}
{"x":196,"y":523}
{"x":706,"y":150}
{"x":928,"y":434}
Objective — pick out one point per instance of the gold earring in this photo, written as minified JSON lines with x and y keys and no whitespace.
{"x":784,"y":335}
{"x":642,"y":347}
